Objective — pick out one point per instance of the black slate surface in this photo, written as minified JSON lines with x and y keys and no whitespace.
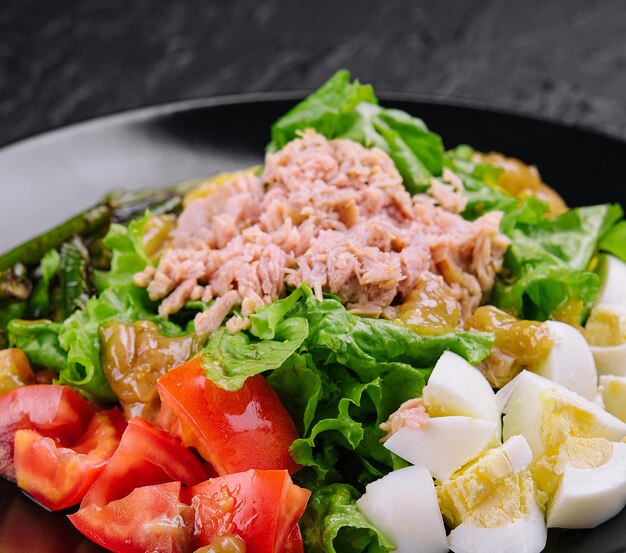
{"x":67,"y":61}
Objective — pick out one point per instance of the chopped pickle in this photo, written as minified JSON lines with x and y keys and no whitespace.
{"x":227,"y":543}
{"x":569,"y":313}
{"x":521,"y":180}
{"x":518,"y":343}
{"x":15,"y":370}
{"x":134,"y":356}
{"x":430,"y":309}
{"x":156,"y":233}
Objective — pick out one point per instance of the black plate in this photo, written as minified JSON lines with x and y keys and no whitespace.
{"x":45,"y":179}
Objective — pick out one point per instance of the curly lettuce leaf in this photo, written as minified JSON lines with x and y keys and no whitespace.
{"x":546,"y":265}
{"x":614,"y":241}
{"x":480,"y":184}
{"x":230,"y":358}
{"x":39,"y":340}
{"x":332,"y":523}
{"x":344,"y":109}
{"x":339,"y":376}
{"x":329,"y":110}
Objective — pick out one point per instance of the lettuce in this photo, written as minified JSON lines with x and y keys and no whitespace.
{"x":614,"y":241}
{"x":73,"y":347}
{"x":344,"y":109}
{"x":339,"y":376}
{"x":332,"y":523}
{"x":546,"y":265}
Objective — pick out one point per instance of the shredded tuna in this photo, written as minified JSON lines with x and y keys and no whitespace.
{"x":411,"y":414}
{"x":210,"y":320}
{"x":335,"y":215}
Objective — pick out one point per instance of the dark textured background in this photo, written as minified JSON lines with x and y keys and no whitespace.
{"x":66,"y":61}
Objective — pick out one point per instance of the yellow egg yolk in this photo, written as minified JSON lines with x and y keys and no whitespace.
{"x":614,"y":395}
{"x":487,"y":491}
{"x":563,"y":418}
{"x":575,"y":452}
{"x":606,"y":326}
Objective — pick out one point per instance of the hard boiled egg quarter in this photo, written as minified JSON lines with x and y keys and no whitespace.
{"x":403,"y":505}
{"x":606,"y":333}
{"x":444,"y":444}
{"x":546,"y":413}
{"x":570,"y":361}
{"x":613,"y":389}
{"x":457,"y":388}
{"x":491,"y":505}
{"x":612,"y":273}
{"x":590,"y":480}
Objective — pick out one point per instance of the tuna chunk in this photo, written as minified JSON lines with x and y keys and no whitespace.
{"x":332,"y":214}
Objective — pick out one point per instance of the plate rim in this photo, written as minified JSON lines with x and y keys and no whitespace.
{"x":139,"y":114}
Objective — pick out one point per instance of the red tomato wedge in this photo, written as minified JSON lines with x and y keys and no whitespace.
{"x":145,"y":456}
{"x":234,"y":431}
{"x":53,"y":411}
{"x":294,"y":541}
{"x":150,"y":518}
{"x":262,"y":507}
{"x":58,"y":477}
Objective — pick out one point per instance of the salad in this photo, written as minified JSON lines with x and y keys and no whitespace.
{"x":368,"y":344}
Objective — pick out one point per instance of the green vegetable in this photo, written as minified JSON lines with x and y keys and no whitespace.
{"x":480,"y":184}
{"x":332,"y":523}
{"x":83,"y":224}
{"x":614,"y":241}
{"x":118,"y":207}
{"x":74,"y":269}
{"x":73,"y":346}
{"x":40,"y":300}
{"x":338,"y":374}
{"x":548,"y":257}
{"x":341,"y":109}
{"x":39,"y":340}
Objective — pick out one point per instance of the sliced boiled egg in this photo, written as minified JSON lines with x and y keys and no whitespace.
{"x":613,"y":389}
{"x":444,"y":444}
{"x":585,"y":481}
{"x":491,"y":505}
{"x":605,"y":332}
{"x":457,"y":388}
{"x":570,"y":361}
{"x":546,"y":413}
{"x":403,"y":505}
{"x":527,"y":534}
{"x":612,"y":273}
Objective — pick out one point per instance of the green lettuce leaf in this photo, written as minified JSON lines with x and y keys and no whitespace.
{"x":480,"y":184}
{"x":39,"y":340}
{"x":329,"y":110}
{"x":73,"y":346}
{"x":545,"y":267}
{"x":339,"y":376}
{"x":614,"y":241}
{"x":231,"y":358}
{"x":341,"y":109}
{"x":332,"y":523}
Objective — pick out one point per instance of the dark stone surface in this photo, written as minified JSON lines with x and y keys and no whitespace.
{"x":67,"y":61}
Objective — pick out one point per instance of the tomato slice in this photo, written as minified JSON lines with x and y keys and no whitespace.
{"x":234,"y":431}
{"x":53,"y":411}
{"x":145,"y":456}
{"x":58,"y":477}
{"x":260,"y":506}
{"x":150,"y":518}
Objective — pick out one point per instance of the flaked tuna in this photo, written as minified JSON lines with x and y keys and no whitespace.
{"x":332,"y":214}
